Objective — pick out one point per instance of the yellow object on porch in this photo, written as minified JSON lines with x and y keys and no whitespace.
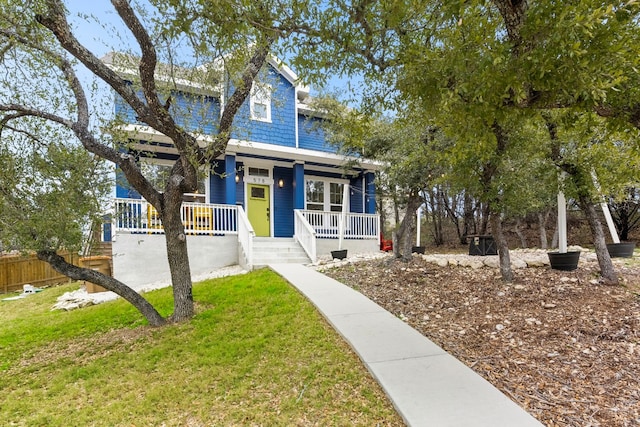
{"x":153,"y":218}
{"x":202,"y":218}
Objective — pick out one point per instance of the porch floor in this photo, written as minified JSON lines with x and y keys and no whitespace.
{"x":426,"y":385}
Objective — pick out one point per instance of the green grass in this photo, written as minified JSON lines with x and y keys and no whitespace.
{"x":256,"y":353}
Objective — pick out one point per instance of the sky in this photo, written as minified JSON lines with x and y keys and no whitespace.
{"x":96,"y":25}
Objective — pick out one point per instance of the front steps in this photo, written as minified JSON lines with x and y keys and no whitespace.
{"x":270,"y":250}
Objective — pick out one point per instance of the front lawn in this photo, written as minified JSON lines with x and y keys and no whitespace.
{"x":257,"y":353}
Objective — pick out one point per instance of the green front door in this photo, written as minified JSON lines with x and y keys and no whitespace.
{"x":258,"y":209}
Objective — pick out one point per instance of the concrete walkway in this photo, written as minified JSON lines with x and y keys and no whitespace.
{"x":427,"y":386}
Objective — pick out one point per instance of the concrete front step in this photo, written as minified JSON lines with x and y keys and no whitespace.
{"x":278,"y":250}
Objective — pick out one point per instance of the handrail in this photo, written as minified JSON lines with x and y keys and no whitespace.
{"x":245,"y":237}
{"x":356,"y":225}
{"x":305,"y":235}
{"x":139,"y":216}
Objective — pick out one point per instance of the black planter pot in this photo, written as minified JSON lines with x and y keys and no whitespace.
{"x":417,"y":250}
{"x":567,"y":261}
{"x":341,"y":254}
{"x":621,"y":250}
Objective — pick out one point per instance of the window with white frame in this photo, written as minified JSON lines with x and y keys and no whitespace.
{"x":324,"y":195}
{"x":157,"y":172}
{"x":315,"y":195}
{"x":336,"y":193}
{"x":260,"y":102}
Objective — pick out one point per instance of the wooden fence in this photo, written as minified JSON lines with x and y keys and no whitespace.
{"x":19,"y":270}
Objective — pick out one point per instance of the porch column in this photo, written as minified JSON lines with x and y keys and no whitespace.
{"x":298,"y":186}
{"x":230,"y":179}
{"x":370,"y":193}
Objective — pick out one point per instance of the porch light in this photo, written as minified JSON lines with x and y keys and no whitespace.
{"x":281,"y":183}
{"x":237,"y":178}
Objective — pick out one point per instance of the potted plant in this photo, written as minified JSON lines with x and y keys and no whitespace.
{"x":339,"y":254}
{"x":563,"y":259}
{"x":621,"y":249}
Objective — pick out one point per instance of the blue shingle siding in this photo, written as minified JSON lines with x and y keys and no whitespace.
{"x":281,"y":130}
{"x":123,"y":111}
{"x":311,"y":135}
{"x":197,"y":113}
{"x":216,"y":182}
{"x":283,"y":202}
{"x":355,"y":200}
{"x":123,"y":188}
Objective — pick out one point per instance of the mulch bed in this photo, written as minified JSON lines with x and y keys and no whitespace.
{"x":562,"y":345}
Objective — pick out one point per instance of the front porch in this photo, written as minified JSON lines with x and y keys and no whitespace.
{"x":219,"y":235}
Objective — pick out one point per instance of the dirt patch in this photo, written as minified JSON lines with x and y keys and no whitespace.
{"x":561,"y":344}
{"x":87,"y":349}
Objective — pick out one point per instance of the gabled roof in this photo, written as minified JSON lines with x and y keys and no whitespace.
{"x":201,"y":80}
{"x":127,"y":65}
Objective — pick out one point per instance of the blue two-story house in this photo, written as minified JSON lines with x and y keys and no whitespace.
{"x":279,"y":193}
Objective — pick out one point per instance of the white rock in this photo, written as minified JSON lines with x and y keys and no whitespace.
{"x":477,"y":265}
{"x":491,"y":261}
{"x":537,"y":261}
{"x":430,"y":259}
{"x":518,"y":263}
{"x":442,"y":262}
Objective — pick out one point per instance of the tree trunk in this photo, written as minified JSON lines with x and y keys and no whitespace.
{"x":542,"y":228}
{"x":403,"y":236}
{"x":396,"y":210}
{"x":77,"y":273}
{"x":521,"y":236}
{"x":607,"y":271}
{"x":484,"y":220}
{"x":178,"y":258}
{"x":436,"y":205}
{"x":503,"y":248}
{"x":469,"y":219}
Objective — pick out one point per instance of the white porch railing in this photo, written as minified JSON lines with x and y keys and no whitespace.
{"x":139,"y":216}
{"x":304,"y":234}
{"x":357,"y":225}
{"x":245,"y":237}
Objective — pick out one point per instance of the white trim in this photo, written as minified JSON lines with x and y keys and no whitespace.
{"x":324,"y":178}
{"x":298,"y":154}
{"x":297,"y":118}
{"x":246,"y":201}
{"x":249,"y":147}
{"x":327,"y":191}
{"x":261,"y":94}
{"x":288,"y":74}
{"x":125,"y":66}
{"x":259,"y":180}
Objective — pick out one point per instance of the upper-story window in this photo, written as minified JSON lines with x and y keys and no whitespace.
{"x":261,"y":102}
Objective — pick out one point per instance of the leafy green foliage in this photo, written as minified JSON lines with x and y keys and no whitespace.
{"x":51,"y":190}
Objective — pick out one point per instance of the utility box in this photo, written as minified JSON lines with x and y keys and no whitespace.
{"x":99,"y":263}
{"x":482,"y":245}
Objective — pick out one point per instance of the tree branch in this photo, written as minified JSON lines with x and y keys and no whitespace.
{"x":56,"y":21}
{"x":74,"y":272}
